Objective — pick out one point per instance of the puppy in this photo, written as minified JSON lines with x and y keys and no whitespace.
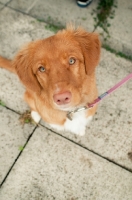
{"x":59,"y":76}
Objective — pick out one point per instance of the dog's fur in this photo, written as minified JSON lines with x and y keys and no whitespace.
{"x":59,"y":76}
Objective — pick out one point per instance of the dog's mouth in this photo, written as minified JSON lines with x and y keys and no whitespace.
{"x":69,"y":107}
{"x":66,"y":107}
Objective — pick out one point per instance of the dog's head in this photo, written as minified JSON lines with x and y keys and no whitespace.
{"x":60,"y":68}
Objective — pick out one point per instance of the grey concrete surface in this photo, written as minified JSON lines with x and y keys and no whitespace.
{"x":53,"y":168}
{"x":121,"y":28}
{"x":13,"y":97}
{"x":4,"y":1}
{"x":57,"y":12}
{"x":13,"y":136}
{"x":21,"y":31}
{"x":1,"y":6}
{"x":62,"y":12}
{"x":24,"y":6}
{"x":96,"y":166}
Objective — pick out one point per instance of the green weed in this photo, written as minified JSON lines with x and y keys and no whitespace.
{"x":25,"y":118}
{"x":21,"y":148}
{"x":52,"y":28}
{"x":2,"y":103}
{"x":104,"y":11}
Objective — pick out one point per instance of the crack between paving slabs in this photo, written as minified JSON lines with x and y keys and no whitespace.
{"x":33,"y":17}
{"x":30,"y":8}
{"x":11,"y":109}
{"x":17,"y":157}
{"x":103,"y":45}
{"x":129,"y":170}
{"x":111,"y":161}
{"x":6,"y":4}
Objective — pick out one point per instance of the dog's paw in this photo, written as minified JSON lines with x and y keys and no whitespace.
{"x":78,"y":124}
{"x":81,"y":133}
{"x":35,"y":116}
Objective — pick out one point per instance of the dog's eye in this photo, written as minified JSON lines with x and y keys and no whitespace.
{"x":41,"y":69}
{"x":72,"y":61}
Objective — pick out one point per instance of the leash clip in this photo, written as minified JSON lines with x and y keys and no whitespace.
{"x":70,"y":113}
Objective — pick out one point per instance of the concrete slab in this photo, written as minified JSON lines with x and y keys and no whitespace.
{"x":58,"y":12}
{"x":13,"y":136}
{"x":62,"y":12}
{"x":17,"y":30}
{"x":1,"y":6}
{"x":53,"y":168}
{"x":12,"y":91}
{"x":110,"y":133}
{"x":121,"y":28}
{"x":4,"y":1}
{"x":24,"y":6}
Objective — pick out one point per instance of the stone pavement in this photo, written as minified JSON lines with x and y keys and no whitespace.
{"x":37,"y":163}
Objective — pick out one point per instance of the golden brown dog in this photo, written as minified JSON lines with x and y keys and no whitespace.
{"x":59,"y":76}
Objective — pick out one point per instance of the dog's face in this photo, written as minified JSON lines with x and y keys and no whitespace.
{"x":61,"y":67}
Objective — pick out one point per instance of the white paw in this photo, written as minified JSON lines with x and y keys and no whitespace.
{"x":35,"y":116}
{"x":78,"y":124}
{"x":80,"y":131}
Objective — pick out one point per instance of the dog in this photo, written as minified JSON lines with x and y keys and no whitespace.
{"x":59,"y":75}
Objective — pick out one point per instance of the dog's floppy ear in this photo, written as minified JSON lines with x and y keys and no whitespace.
{"x":23,"y":63}
{"x":90,"y":45}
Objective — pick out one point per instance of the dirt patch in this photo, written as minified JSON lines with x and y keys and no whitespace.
{"x":130,"y":155}
{"x":26,"y":118}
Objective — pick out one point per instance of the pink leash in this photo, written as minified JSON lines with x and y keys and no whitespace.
{"x":96,"y":101}
{"x":110,"y":90}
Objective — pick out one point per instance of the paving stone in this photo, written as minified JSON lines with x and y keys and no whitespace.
{"x":1,"y":6}
{"x":22,"y":5}
{"x":120,"y":28}
{"x":63,"y":12}
{"x":4,"y":1}
{"x":12,"y":91}
{"x":17,"y":30}
{"x":53,"y":168}
{"x":13,"y":136}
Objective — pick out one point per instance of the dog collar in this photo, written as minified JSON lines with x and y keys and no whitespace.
{"x":96,"y":101}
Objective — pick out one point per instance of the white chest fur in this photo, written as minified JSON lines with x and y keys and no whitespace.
{"x":77,"y":125}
